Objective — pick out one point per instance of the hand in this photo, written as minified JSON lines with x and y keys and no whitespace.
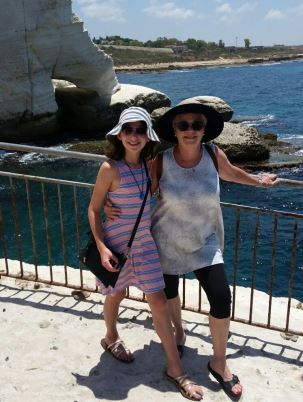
{"x":111,"y":212}
{"x":109,"y":260}
{"x":268,"y":179}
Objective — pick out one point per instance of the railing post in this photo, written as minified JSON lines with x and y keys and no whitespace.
{"x":236,"y":263}
{"x":273,"y":268}
{"x":254,"y":266}
{"x":292,"y":274}
{"x":2,"y":235}
{"x":31,"y":222}
{"x":16,"y":222}
{"x":48,"y":239}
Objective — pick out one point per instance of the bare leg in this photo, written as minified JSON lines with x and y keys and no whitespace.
{"x":219,"y":329}
{"x":111,"y":311}
{"x":174,"y":306}
{"x":159,"y":308}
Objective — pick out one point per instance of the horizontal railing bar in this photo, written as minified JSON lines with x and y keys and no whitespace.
{"x":291,"y":182}
{"x":46,"y":179}
{"x":52,"y":152}
{"x":94,"y":157}
{"x":262,"y":210}
{"x":90,"y":185}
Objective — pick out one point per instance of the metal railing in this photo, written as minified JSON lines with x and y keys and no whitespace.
{"x":43,"y":224}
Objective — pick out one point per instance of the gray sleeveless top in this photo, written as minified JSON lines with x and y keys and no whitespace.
{"x":187,"y":222}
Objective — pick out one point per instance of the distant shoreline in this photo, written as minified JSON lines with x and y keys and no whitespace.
{"x":220,"y":62}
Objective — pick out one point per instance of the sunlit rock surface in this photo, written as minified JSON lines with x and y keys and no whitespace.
{"x":41,"y":40}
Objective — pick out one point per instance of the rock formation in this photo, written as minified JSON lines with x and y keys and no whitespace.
{"x":239,"y":142}
{"x":242,"y":143}
{"x":217,"y":103}
{"x":83,"y":111}
{"x":39,"y":41}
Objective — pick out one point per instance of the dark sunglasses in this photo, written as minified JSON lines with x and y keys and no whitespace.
{"x":137,"y":130}
{"x":196,"y":125}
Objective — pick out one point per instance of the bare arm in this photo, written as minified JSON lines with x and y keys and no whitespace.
{"x":106,"y":178}
{"x":154,"y":174}
{"x":229,"y":172}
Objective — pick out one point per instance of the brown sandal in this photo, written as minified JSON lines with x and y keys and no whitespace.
{"x":117,"y":349}
{"x":184,"y":383}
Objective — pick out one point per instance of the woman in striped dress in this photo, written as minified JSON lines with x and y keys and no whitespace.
{"x":122,"y":179}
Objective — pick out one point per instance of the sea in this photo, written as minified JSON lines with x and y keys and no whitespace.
{"x":268,"y":97}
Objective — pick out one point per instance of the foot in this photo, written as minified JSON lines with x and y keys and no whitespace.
{"x":229,"y":382}
{"x":188,"y":388}
{"x":118,"y":350}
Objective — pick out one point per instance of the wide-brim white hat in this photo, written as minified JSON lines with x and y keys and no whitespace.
{"x":131,"y":114}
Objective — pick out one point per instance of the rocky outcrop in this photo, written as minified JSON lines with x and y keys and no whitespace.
{"x":217,"y":103}
{"x":83,"y":110}
{"x":41,"y":40}
{"x":239,"y":142}
{"x":213,"y":101}
{"x":242,"y":143}
{"x":274,"y":58}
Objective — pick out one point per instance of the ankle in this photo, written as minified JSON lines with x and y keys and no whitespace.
{"x":174,"y":371}
{"x":111,"y":337}
{"x":218,"y":362}
{"x":179,"y":333}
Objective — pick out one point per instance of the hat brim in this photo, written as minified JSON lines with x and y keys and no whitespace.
{"x":132,"y":114}
{"x":213,"y":127}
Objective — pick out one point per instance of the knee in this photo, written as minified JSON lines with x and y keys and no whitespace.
{"x":171,"y":286}
{"x":171,"y":292}
{"x":220,"y":305}
{"x":118,"y":296}
{"x":158,"y":301}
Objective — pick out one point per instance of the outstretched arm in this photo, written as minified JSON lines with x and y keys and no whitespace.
{"x":229,"y":172}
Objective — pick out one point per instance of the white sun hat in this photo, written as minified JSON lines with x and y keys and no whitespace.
{"x":135,"y":113}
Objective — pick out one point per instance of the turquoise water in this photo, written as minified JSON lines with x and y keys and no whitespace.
{"x":269,"y":97}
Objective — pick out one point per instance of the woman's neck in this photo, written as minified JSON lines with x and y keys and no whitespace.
{"x":187,"y":156}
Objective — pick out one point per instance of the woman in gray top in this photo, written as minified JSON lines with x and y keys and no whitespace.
{"x":187,"y":222}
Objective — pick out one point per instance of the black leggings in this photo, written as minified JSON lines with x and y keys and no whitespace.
{"x":214,"y":282}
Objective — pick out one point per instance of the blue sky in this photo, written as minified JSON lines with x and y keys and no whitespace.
{"x":265,"y":22}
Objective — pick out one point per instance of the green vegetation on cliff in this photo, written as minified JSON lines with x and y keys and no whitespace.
{"x":125,"y":51}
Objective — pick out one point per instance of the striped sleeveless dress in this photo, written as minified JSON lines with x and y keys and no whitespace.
{"x":142,"y":268}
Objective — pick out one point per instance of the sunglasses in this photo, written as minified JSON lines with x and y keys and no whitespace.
{"x":137,"y":130}
{"x":183,"y":125}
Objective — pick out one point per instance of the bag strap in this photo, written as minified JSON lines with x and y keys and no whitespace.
{"x":148,"y":186}
{"x":213,"y":156}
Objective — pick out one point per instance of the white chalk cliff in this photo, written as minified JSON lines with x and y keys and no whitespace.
{"x":41,"y":40}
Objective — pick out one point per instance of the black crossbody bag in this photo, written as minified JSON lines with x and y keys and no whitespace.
{"x":90,"y":256}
